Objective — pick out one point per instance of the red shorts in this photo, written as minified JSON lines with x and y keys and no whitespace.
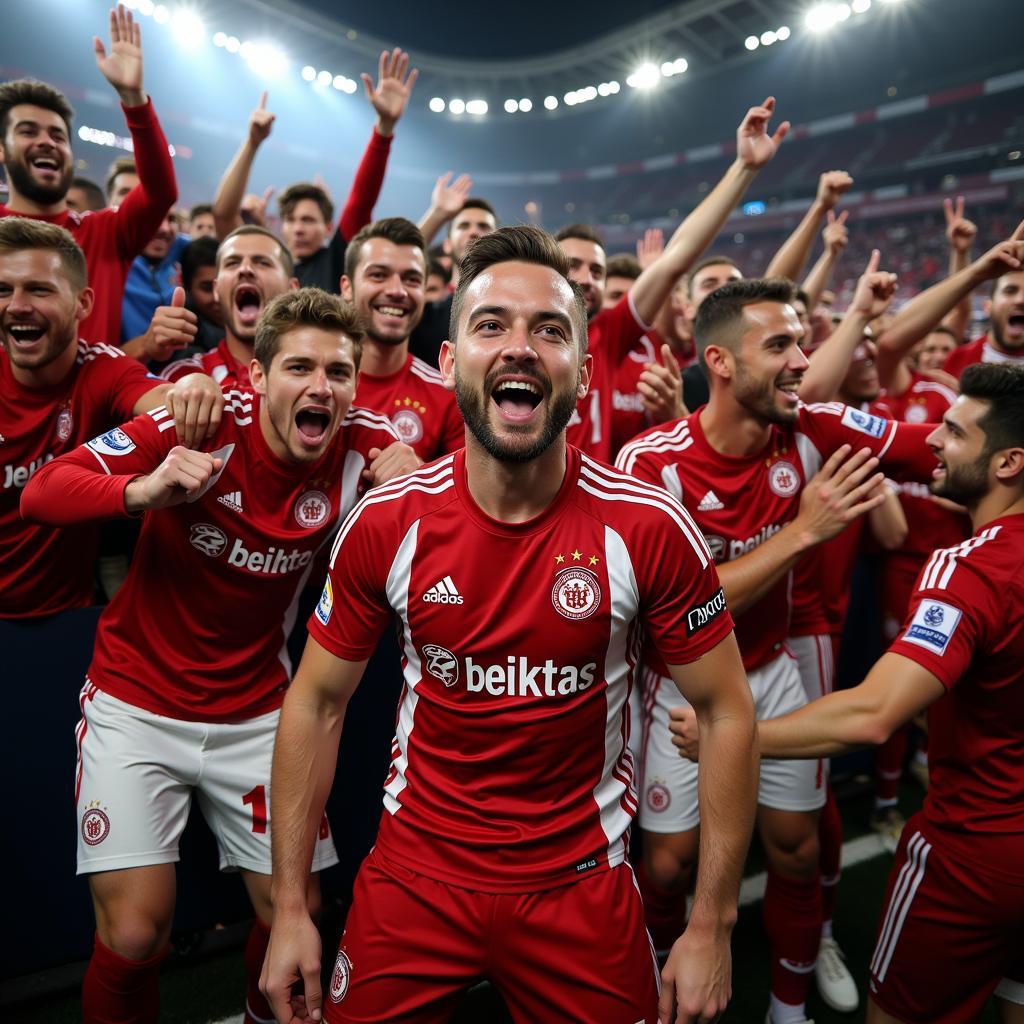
{"x":413,"y":945}
{"x":949,"y":934}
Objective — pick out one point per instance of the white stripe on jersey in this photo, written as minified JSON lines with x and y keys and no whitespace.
{"x":160,"y":413}
{"x":88,"y":351}
{"x":889,"y":440}
{"x":940,"y":568}
{"x":828,"y":408}
{"x":425,"y":371}
{"x":99,"y":459}
{"x":931,"y":385}
{"x":675,"y":440}
{"x":910,"y":878}
{"x":397,"y":589}
{"x":810,"y":457}
{"x":366,"y":418}
{"x":194,"y":364}
{"x":615,"y":486}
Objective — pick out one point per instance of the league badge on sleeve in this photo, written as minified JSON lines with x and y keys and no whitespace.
{"x":325,"y":605}
{"x":933,"y":625}
{"x":873,"y":426}
{"x":113,"y":442}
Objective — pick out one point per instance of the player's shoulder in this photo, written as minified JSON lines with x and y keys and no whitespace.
{"x":935,"y":389}
{"x":365,"y":426}
{"x":239,"y":403}
{"x":826,"y":417}
{"x":664,"y":442}
{"x":422,"y":370}
{"x":98,"y":352}
{"x":992,"y":561}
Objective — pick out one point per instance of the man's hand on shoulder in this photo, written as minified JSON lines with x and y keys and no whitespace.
{"x":181,"y":476}
{"x":196,"y":403}
{"x":387,"y":463}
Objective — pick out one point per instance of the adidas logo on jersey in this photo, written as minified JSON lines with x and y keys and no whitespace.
{"x":443,"y":592}
{"x":232,"y":500}
{"x":710,"y":503}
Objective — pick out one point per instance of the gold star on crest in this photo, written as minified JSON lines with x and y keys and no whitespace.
{"x":594,"y":559}
{"x":577,"y":555}
{"x":559,"y":559}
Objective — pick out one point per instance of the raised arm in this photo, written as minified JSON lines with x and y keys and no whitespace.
{"x":835,"y":237}
{"x":754,"y":148}
{"x":445,"y":202}
{"x":227,"y":203}
{"x":791,"y":259}
{"x":305,"y":755}
{"x":960,"y":234}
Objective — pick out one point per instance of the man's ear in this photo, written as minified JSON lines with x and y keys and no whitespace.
{"x":346,"y":288}
{"x":719,"y":361}
{"x":1009,"y":465}
{"x":84,"y":303}
{"x":258,"y":378}
{"x":586,"y":369}
{"x":446,"y":364}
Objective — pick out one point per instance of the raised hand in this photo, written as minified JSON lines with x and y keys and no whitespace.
{"x":171,"y":328}
{"x":650,"y":247}
{"x":394,"y":86}
{"x":960,"y":232}
{"x":831,"y":187}
{"x":261,"y":121}
{"x":874,"y":291}
{"x":754,"y":146}
{"x":836,"y":234}
{"x":254,"y":207}
{"x":661,"y":388}
{"x":449,"y":198}
{"x":122,"y":66}
{"x":1002,"y":258}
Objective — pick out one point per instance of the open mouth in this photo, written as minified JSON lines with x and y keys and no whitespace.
{"x":248,"y":303}
{"x":24,"y":335}
{"x":312,"y":425}
{"x":1016,"y":324}
{"x":392,"y":311}
{"x":790,"y":389}
{"x":46,"y":163}
{"x":517,"y":399}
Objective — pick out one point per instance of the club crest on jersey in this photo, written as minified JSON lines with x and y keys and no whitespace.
{"x":208,"y":539}
{"x":65,"y":424}
{"x":312,"y":509}
{"x":576,"y":593}
{"x":325,"y":605}
{"x":716,"y":545}
{"x":873,"y":426}
{"x":783,"y":479}
{"x":441,"y":664}
{"x":340,"y":977}
{"x":408,"y":424}
{"x":933,"y":625}
{"x":916,"y":413}
{"x":113,"y":442}
{"x":658,"y":796}
{"x":95,"y":825}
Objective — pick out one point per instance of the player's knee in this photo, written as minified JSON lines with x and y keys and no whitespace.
{"x":669,"y":867}
{"x":135,"y":936}
{"x":796,"y":855}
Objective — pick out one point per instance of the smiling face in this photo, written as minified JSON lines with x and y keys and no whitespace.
{"x":306,"y":392}
{"x":387,"y":289}
{"x":933,"y":352}
{"x":861,"y":383}
{"x":1006,"y":309}
{"x":587,"y":269}
{"x":250,"y":272}
{"x":962,"y":474}
{"x":37,"y":154}
{"x":516,"y":368}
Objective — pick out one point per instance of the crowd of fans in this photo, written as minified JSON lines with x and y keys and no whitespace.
{"x":144,"y":344}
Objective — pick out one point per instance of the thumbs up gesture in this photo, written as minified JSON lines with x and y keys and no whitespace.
{"x":171,"y":328}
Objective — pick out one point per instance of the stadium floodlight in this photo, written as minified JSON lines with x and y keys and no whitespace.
{"x":569,"y":99}
{"x":614,"y":87}
{"x":767,"y":38}
{"x":782,"y":34}
{"x":350,"y":86}
{"x":860,"y":6}
{"x":667,"y":69}
{"x":437,"y":105}
{"x":842,"y":12}
{"x":265,"y":60}
{"x":146,"y":7}
{"x":681,"y":65}
{"x":526,"y":105}
{"x":457,"y":106}
{"x":188,"y":27}
{"x":324,"y":78}
{"x":822,"y":17}
{"x":752,"y":42}
{"x":589,"y":93}
{"x":161,"y":15}
{"x":232,"y":45}
{"x":220,"y":39}
{"x":550,"y":102}
{"x":308,"y":72}
{"x":646,"y":76}
{"x":477,"y":107}
{"x":603,"y":90}
{"x":339,"y":82}
{"x":511,"y":106}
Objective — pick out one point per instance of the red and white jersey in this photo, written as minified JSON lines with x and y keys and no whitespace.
{"x":511,"y":769}
{"x":218,"y":363}
{"x":421,"y":409}
{"x":44,"y":570}
{"x":740,"y":502}
{"x":981,"y":350}
{"x":198,"y":631}
{"x":965,"y":625}
{"x":611,"y":335}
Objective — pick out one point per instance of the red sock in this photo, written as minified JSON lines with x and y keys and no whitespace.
{"x":257,"y":1009}
{"x":889,"y":766}
{"x":830,"y":840}
{"x":792,"y":918}
{"x":664,"y":911}
{"x":121,"y":991}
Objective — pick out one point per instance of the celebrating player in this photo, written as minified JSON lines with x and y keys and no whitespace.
{"x":522,"y":575}
{"x":190,"y":663}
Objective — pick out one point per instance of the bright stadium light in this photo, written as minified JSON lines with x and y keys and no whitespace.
{"x":822,"y":17}
{"x":478,"y":107}
{"x":645,"y":77}
{"x":526,"y":105}
{"x":309,"y":73}
{"x":570,"y":99}
{"x":511,"y":106}
{"x":860,"y":6}
{"x":340,"y":83}
{"x":437,"y":105}
{"x":767,"y":38}
{"x":232,"y":45}
{"x":550,"y":102}
{"x":681,"y":65}
{"x":265,"y":60}
{"x":589,"y":93}
{"x":146,"y":7}
{"x":603,"y":90}
{"x":614,"y":87}
{"x":324,"y":78}
{"x":188,"y":27}
{"x":161,"y":15}
{"x":457,"y":106}
{"x":752,"y":42}
{"x":220,"y":39}
{"x":782,"y":34}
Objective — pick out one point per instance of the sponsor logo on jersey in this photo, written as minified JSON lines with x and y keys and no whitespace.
{"x":233,"y":500}
{"x":633,"y":402}
{"x":658,"y":797}
{"x":325,"y":605}
{"x":113,"y":442}
{"x":716,"y":545}
{"x":408,"y":425}
{"x":576,"y":593}
{"x":208,"y":538}
{"x":783,"y":479}
{"x":710,"y":503}
{"x":312,"y":509}
{"x":272,"y":562}
{"x":443,"y":592}
{"x":95,"y":825}
{"x":518,"y":678}
{"x":700,"y":615}
{"x":738,"y":548}
{"x":874,"y":426}
{"x":65,"y":424}
{"x":441,"y":663}
{"x":18,"y":476}
{"x":916,"y":413}
{"x":340,"y":977}
{"x":933,"y":625}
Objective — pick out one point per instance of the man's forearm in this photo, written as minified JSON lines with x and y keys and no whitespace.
{"x":747,"y":579}
{"x":958,"y":319}
{"x":791,"y":259}
{"x":835,"y":724}
{"x":817,"y":280}
{"x":227,"y":203}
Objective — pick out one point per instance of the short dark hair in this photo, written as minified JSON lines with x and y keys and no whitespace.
{"x":294,"y":194}
{"x":20,"y":233}
{"x":397,"y":230}
{"x":623,"y":265}
{"x":122,"y":165}
{"x":945,"y":329}
{"x":801,"y":296}
{"x":720,"y":318}
{"x":435,"y":268}
{"x":94,"y":194}
{"x":522,"y":244}
{"x":474,"y":203}
{"x":582,"y":231}
{"x":306,"y":307}
{"x":199,"y":253}
{"x":708,"y":261}
{"x":199,"y":209}
{"x":1001,"y":385}
{"x":39,"y":94}
{"x":254,"y":229}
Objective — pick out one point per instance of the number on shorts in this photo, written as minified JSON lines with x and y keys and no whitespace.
{"x":258,"y":799}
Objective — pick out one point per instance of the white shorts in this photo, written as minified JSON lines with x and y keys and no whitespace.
{"x":816,"y":662}
{"x":669,"y":781}
{"x":135,"y":776}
